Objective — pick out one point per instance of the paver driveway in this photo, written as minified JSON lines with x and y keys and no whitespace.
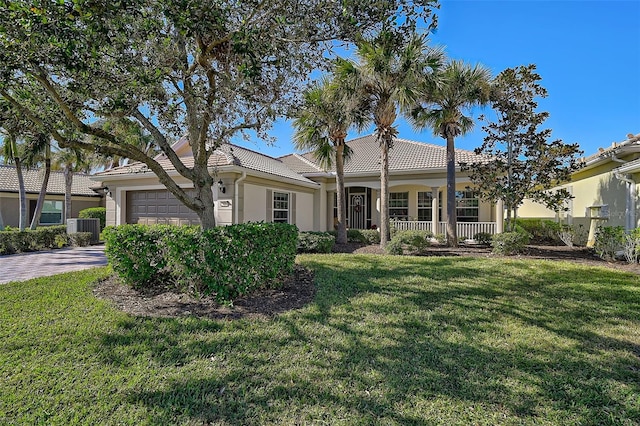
{"x":20,"y":267}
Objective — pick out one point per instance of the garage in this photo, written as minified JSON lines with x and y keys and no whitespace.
{"x":158,"y":207}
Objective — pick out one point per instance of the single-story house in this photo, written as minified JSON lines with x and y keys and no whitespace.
{"x":296,"y":189}
{"x":82,"y":195}
{"x":605,"y":190}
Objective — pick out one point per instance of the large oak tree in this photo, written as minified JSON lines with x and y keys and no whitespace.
{"x":210,"y":70}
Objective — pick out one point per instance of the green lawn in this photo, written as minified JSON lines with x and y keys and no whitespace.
{"x":387,"y":340}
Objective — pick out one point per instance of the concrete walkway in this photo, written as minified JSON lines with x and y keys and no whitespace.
{"x":20,"y":267}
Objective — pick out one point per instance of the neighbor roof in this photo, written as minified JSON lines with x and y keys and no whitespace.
{"x":405,"y":155}
{"x":33,"y":180}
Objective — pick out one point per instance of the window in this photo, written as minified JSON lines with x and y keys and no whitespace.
{"x":399,"y":205}
{"x":424,"y":205}
{"x":281,"y":207}
{"x":51,"y":213}
{"x":467,"y":206}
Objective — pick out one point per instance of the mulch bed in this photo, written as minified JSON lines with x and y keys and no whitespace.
{"x":299,"y":289}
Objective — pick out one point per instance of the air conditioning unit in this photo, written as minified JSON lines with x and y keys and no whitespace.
{"x":85,"y":225}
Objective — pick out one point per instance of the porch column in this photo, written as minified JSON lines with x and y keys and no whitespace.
{"x":434,"y":209}
{"x":499,"y":217}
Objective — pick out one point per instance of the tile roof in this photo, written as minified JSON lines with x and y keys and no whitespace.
{"x":226,"y":155}
{"x":405,"y":155}
{"x":33,"y":180}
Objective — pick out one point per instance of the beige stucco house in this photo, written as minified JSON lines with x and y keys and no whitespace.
{"x":605,"y":189}
{"x":295,"y":189}
{"x":82,"y":195}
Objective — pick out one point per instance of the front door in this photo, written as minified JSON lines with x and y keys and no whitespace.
{"x":357,"y":211}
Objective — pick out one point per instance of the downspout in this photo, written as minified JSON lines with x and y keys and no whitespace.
{"x":236,"y":210}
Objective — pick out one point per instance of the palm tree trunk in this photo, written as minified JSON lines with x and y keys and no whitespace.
{"x":342,"y":207}
{"x":22,"y":194}
{"x":68,"y":182}
{"x":452,"y":237}
{"x":35,"y":221}
{"x":384,"y":192}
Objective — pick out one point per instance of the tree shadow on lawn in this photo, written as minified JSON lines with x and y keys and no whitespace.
{"x":418,"y":342}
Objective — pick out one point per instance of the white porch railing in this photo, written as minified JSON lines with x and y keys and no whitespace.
{"x":464,"y":229}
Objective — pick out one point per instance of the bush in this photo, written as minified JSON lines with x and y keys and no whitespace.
{"x":363,"y":236}
{"x":609,"y":240}
{"x":483,"y":238}
{"x":95,"y":213}
{"x":509,"y":243}
{"x":315,"y":242}
{"x":541,"y":231}
{"x":80,"y":239}
{"x":46,"y":237}
{"x":572,"y":235}
{"x":226,"y":262}
{"x":632,"y":246}
{"x":412,"y":241}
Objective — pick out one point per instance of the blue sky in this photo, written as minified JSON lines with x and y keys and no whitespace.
{"x":587,"y":52}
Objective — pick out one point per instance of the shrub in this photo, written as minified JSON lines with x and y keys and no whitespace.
{"x":411,"y":241}
{"x":541,"y":231}
{"x":609,"y":240}
{"x":632,"y":246}
{"x":572,"y":235}
{"x":315,"y":242}
{"x":441,"y":238}
{"x":363,"y":236}
{"x":483,"y":238}
{"x":509,"y":243}
{"x":80,"y":239}
{"x":225,"y":262}
{"x":95,"y":213}
{"x":14,"y":241}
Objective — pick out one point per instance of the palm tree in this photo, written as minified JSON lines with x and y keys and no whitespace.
{"x":38,"y":149}
{"x":460,"y":87}
{"x":70,"y":160}
{"x":11,"y":151}
{"x":391,"y":72}
{"x":329,"y":110}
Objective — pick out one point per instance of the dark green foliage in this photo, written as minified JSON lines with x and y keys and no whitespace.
{"x":483,"y":238}
{"x":364,"y":236}
{"x":95,"y":213}
{"x":225,"y":262}
{"x":80,"y":239}
{"x":609,"y":240}
{"x":509,"y":243}
{"x":541,"y":231}
{"x":315,"y":242}
{"x":414,"y":242}
{"x":13,"y":241}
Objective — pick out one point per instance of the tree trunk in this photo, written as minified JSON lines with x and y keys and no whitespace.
{"x":452,"y":237}
{"x":23,"y":195}
{"x":68,"y":182}
{"x":35,"y":221}
{"x":384,"y":192}
{"x":203,"y":183}
{"x":342,"y":206}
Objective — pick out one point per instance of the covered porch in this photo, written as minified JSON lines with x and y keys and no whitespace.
{"x":419,"y":207}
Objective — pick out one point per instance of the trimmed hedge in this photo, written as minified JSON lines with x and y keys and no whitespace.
{"x":80,"y":239}
{"x":509,"y":243}
{"x":46,"y":237}
{"x":364,"y":236}
{"x":541,"y":231}
{"x":225,"y":262}
{"x":95,"y":213}
{"x":411,"y":241}
{"x":315,"y":242}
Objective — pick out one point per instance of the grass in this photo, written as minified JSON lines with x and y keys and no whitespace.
{"x":387,"y":340}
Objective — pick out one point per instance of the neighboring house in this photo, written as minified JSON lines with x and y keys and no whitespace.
{"x":295,"y":189}
{"x":605,"y":190}
{"x":82,"y":196}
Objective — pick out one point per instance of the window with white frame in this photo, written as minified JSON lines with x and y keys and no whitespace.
{"x":399,"y":205}
{"x":281,"y":207}
{"x":424,"y":205}
{"x":467,"y":206}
